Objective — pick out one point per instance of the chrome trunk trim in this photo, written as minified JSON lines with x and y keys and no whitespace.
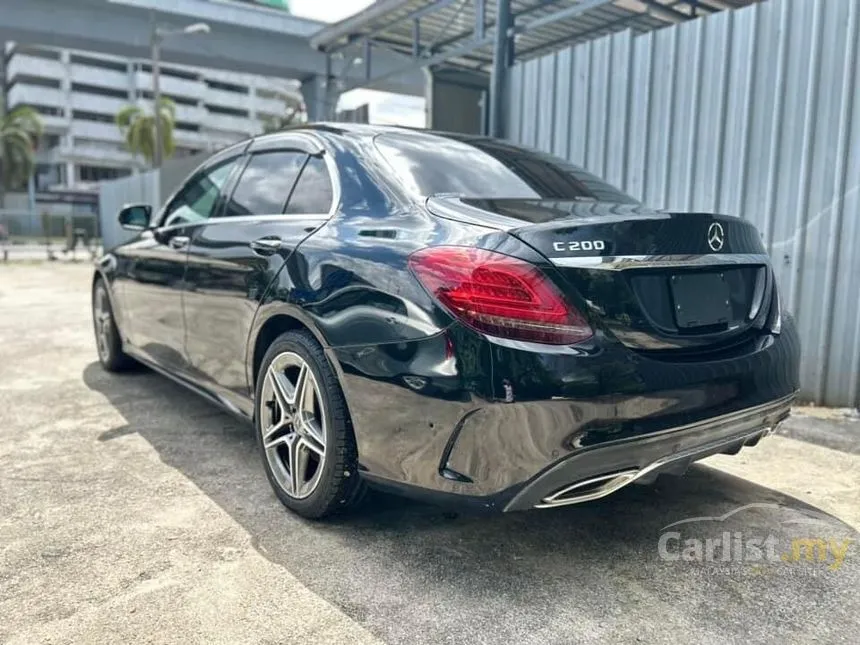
{"x":621,"y":262}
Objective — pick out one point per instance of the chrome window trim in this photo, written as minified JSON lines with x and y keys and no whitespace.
{"x":275,"y":217}
{"x":242,"y":149}
{"x":621,"y":262}
{"x":315,"y":219}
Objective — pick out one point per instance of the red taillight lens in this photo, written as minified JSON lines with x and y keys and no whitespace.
{"x":499,"y":295}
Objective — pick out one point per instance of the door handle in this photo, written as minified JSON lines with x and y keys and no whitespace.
{"x":266,"y":246}
{"x":179,"y":242}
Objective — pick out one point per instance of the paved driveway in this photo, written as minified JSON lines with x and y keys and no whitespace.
{"x":131,"y":511}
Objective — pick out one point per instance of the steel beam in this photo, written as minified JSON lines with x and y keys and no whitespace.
{"x":415,"y":15}
{"x":516,"y":16}
{"x":468,"y":48}
{"x":501,"y":63}
{"x":480,"y":19}
{"x":562,"y":14}
{"x":416,"y":37}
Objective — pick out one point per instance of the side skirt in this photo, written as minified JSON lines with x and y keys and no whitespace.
{"x":206,"y":394}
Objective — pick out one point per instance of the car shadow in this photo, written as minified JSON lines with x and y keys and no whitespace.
{"x":403,"y":568}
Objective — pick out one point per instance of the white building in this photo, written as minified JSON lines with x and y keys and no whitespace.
{"x":79,"y":93}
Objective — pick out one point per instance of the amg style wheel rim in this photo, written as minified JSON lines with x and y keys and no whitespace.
{"x":293,"y":425}
{"x":102,"y":320}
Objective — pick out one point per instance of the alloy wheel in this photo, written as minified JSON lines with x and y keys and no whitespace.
{"x":293,"y":424}
{"x":103,"y":323}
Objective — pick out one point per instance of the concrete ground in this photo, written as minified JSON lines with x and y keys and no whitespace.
{"x":37,"y":252}
{"x":132,"y":511}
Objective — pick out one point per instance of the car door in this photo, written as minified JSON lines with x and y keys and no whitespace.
{"x":153,"y":267}
{"x":235,"y":257}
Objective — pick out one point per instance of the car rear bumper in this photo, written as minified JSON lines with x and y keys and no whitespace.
{"x":596,"y":473}
{"x":431,"y":419}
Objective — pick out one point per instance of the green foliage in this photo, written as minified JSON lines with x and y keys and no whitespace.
{"x":293,"y":114}
{"x":138,"y":129}
{"x":20,"y":131}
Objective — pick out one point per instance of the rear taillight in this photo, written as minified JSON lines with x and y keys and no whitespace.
{"x":499,"y":295}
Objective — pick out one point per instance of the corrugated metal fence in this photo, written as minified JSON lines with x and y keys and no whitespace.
{"x":754,"y":112}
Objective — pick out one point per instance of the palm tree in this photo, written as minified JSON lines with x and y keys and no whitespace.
{"x":20,"y":130}
{"x":138,"y":128}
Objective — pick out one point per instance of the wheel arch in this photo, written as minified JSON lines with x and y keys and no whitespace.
{"x":102,"y":272}
{"x":272,"y":321}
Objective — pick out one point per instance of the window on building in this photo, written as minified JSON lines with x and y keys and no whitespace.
{"x":100,"y":173}
{"x":83,"y":88}
{"x":38,"y":81}
{"x":171,"y":71}
{"x":218,"y":109}
{"x":188,"y":127}
{"x":313,"y":192}
{"x":101,"y":63}
{"x":47,"y":176}
{"x":83,"y":115}
{"x":226,"y":87}
{"x":46,"y":110}
{"x":265,"y":184}
{"x":98,"y":144}
{"x":179,"y":100}
{"x":35,"y":52}
{"x":49,"y":141}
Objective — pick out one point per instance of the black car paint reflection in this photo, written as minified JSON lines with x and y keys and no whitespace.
{"x":426,"y":392}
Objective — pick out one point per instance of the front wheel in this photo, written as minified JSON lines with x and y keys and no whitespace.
{"x":108,"y":341}
{"x":303,"y":429}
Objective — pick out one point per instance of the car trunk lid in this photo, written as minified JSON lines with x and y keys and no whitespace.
{"x":660,"y":282}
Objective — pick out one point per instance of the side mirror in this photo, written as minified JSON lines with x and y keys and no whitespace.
{"x":135,"y":217}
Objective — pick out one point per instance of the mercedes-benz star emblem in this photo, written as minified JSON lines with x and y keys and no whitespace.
{"x":716,"y":236}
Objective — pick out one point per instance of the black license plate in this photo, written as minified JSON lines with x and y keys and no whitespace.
{"x":700,"y":299}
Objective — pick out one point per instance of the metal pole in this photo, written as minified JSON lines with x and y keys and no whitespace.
{"x":500,"y":67}
{"x":156,"y":98}
{"x":325,"y":94}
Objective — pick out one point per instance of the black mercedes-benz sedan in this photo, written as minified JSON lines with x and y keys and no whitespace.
{"x":448,"y":316}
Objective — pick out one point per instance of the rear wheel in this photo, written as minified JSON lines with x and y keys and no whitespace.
{"x":108,"y":341}
{"x":303,"y":428}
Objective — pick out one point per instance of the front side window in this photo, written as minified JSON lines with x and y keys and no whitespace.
{"x":199,"y":197}
{"x":313,"y":192}
{"x":265,"y":183}
{"x":479,"y":168}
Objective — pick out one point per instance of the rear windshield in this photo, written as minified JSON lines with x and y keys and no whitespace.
{"x":428,"y":164}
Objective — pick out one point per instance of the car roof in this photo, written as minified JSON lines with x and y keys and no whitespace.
{"x":366,"y":130}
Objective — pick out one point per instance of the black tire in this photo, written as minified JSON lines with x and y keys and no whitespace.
{"x":339,"y":486}
{"x":110,"y":354}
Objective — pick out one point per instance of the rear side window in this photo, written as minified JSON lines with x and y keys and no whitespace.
{"x":265,"y":184}
{"x":313,"y":192}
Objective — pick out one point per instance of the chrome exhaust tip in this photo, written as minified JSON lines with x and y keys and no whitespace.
{"x":590,"y":489}
{"x":602,"y":485}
